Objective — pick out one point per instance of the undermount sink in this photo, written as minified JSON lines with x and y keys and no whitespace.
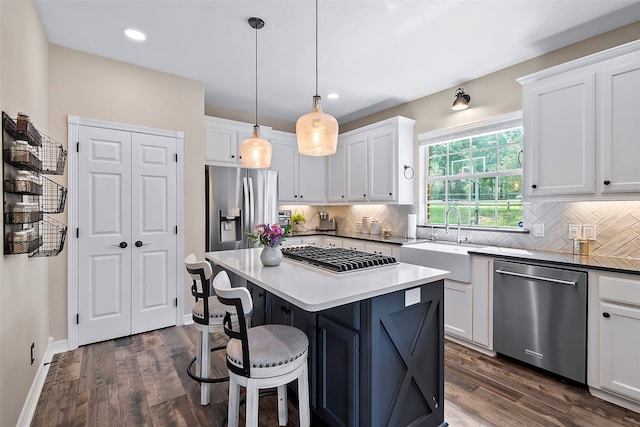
{"x":453,"y":257}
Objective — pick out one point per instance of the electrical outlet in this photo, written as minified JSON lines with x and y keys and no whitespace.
{"x":575,"y":231}
{"x":538,"y":230}
{"x":589,"y":231}
{"x":33,"y":352}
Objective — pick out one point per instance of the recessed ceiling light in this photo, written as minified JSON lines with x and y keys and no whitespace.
{"x":136,"y":35}
{"x":333,"y":95}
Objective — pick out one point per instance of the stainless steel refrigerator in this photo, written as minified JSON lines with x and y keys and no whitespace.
{"x":236,"y":200}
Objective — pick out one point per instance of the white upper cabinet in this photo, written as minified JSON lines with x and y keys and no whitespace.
{"x":580,"y":122}
{"x":356,"y":147}
{"x":223,"y":138}
{"x":337,"y":175}
{"x":619,"y":92}
{"x":301,"y":179}
{"x":559,"y":144}
{"x":376,"y":156}
{"x":284,"y":159}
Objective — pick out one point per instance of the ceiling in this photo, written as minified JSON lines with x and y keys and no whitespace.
{"x":375,"y":54}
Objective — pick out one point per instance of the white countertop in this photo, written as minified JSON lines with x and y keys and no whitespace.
{"x":313,"y":289}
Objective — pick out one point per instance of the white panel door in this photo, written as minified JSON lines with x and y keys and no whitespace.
{"x":337,"y":170}
{"x":153,"y":238}
{"x":104,"y":274}
{"x":284,"y":160}
{"x":312,"y":179}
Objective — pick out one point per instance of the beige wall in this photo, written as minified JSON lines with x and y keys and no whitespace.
{"x":493,"y":94}
{"x":24,"y":287}
{"x":95,"y":87}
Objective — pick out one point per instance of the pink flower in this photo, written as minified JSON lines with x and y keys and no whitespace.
{"x":268,"y":235}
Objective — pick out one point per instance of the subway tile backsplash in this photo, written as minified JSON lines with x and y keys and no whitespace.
{"x":617,"y":224}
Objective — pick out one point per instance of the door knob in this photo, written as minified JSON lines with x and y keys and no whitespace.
{"x":139,"y":243}
{"x":121,"y":245}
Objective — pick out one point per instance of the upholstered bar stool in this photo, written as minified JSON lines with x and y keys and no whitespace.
{"x":261,"y":357}
{"x":208,"y":314}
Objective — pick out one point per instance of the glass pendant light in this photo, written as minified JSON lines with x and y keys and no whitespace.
{"x":255,"y":151}
{"x":317,"y":132}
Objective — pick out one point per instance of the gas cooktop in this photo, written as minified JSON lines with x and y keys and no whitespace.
{"x":336,"y":260}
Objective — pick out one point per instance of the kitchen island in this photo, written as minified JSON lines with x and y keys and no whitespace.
{"x":376,"y":336}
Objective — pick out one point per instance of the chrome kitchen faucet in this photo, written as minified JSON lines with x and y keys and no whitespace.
{"x":460,"y":238}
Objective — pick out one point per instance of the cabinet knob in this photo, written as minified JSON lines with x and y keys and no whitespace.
{"x":240,"y":157}
{"x":295,"y":196}
{"x":301,"y":196}
{"x":342,"y":196}
{"x":606,"y":315}
{"x":606,"y":182}
{"x":364,"y":195}
{"x":233,"y":156}
{"x":534,"y":186}
{"x":390,"y":194}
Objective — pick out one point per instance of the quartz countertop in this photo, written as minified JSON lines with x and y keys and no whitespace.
{"x":313,"y":289}
{"x":379,"y":238}
{"x":620,"y":265}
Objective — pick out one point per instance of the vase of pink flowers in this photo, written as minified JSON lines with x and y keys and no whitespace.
{"x":270,"y":238}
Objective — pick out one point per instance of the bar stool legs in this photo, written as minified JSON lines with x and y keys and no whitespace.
{"x":253,"y":387}
{"x":203,"y":365}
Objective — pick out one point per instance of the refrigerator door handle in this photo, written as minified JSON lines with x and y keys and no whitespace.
{"x":252,"y":205}
{"x":247,"y":208}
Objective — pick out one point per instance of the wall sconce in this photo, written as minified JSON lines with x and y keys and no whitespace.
{"x":462,"y":100}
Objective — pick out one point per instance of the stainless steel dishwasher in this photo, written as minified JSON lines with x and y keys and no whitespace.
{"x":540,"y":317}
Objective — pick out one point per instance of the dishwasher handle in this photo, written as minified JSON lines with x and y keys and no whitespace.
{"x":529,"y":276}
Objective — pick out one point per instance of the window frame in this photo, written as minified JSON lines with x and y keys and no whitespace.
{"x":490,"y":125}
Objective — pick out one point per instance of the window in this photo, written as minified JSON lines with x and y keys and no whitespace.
{"x":476,"y":168}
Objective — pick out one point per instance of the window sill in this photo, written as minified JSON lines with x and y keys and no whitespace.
{"x":516,"y":230}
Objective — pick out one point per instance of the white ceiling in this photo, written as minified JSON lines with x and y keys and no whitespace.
{"x":375,"y":54}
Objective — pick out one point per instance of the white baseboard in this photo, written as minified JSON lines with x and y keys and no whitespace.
{"x":471,"y":345}
{"x":612,"y":398}
{"x":187,"y":319}
{"x":29,"y":407}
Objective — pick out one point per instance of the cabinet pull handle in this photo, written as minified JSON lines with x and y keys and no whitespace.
{"x":606,"y":182}
{"x":534,"y":186}
{"x":606,"y":315}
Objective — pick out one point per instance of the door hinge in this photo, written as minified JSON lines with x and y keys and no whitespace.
{"x":77,"y":232}
{"x":176,"y":157}
{"x":176,"y":302}
{"x":77,"y":318}
{"x":78,"y":147}
{"x":176,"y":229}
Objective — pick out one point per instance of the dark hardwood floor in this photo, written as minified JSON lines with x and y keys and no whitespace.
{"x":142,"y":380}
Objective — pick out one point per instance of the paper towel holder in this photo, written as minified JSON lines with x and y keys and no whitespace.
{"x":407,"y":167}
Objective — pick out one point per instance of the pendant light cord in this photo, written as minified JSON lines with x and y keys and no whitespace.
{"x":316,"y":47}
{"x":256,"y":75}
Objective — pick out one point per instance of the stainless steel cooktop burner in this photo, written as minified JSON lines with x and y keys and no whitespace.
{"x":336,"y":260}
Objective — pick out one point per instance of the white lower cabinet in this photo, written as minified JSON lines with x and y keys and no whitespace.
{"x":468,"y":307}
{"x":614,"y":338}
{"x":458,"y":309}
{"x":620,"y":349}
{"x":332,"y":242}
{"x":354,"y":245}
